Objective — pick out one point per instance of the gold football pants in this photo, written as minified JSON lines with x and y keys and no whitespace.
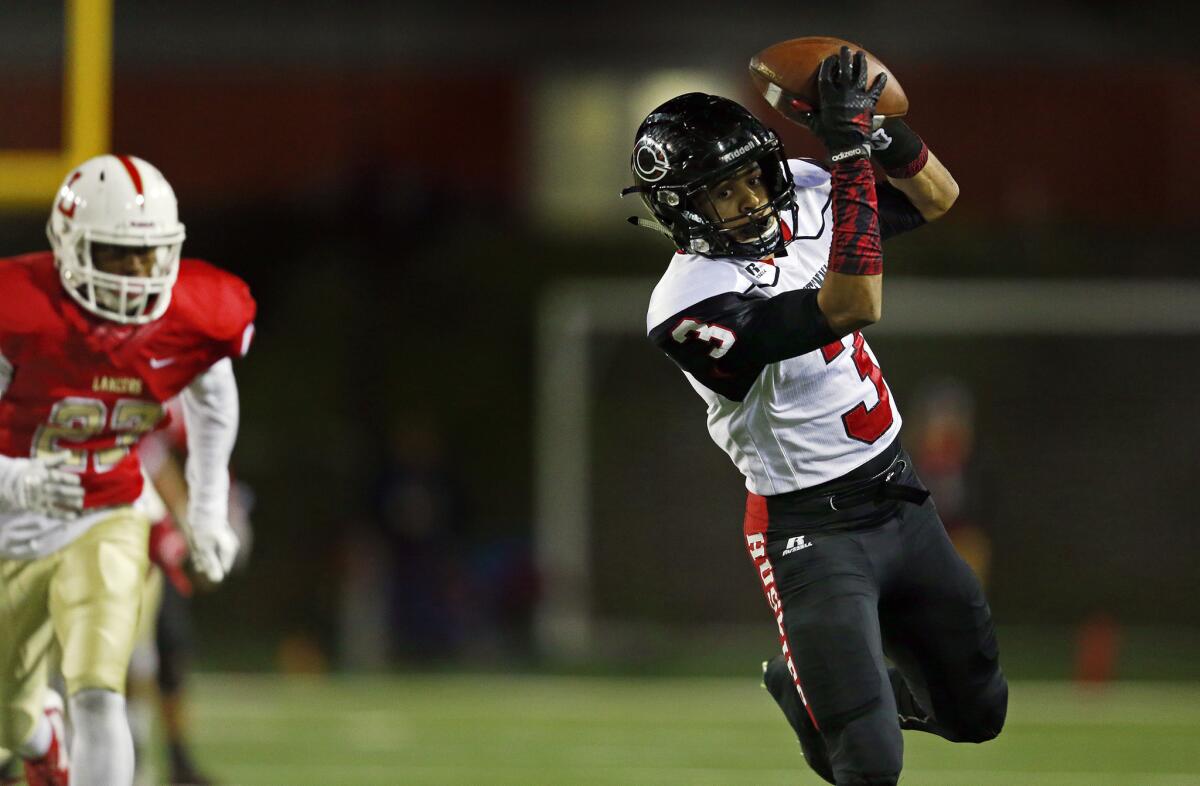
{"x":86,"y":598}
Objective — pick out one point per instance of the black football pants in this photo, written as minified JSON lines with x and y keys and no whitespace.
{"x":852,"y":587}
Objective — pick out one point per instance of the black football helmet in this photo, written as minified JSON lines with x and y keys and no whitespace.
{"x":693,"y":142}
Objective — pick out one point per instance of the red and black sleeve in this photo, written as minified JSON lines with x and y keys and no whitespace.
{"x":896,"y":213}
{"x":857,"y":247}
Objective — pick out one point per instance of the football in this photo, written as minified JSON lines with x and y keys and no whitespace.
{"x":788,"y":70}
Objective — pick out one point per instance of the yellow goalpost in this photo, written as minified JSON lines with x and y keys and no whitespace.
{"x":28,"y":177}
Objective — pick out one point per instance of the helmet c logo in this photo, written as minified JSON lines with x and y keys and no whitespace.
{"x":67,"y":203}
{"x":650,"y":160}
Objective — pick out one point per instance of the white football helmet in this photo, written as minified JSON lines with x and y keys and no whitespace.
{"x":121,"y":201}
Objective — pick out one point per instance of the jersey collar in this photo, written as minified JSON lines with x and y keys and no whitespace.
{"x":764,"y":273}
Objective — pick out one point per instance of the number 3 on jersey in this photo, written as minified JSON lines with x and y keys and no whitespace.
{"x":863,"y":424}
{"x":721,"y":337}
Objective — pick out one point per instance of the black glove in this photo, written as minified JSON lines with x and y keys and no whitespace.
{"x":843,"y":120}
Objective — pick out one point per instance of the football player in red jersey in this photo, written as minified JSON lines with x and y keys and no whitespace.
{"x":94,"y":337}
{"x":779,"y":266}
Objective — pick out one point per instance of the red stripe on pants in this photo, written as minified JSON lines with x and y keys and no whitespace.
{"x":755,"y":529}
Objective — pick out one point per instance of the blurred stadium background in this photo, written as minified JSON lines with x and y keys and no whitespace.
{"x":468,"y":463}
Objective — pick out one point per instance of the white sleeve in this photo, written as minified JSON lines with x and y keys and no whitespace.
{"x":8,"y":468}
{"x":210,"y":411}
{"x":6,"y":374}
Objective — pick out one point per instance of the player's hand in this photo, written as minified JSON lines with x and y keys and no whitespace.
{"x":845,"y":119}
{"x":169,"y":551}
{"x":214,"y":547}
{"x":37,"y":486}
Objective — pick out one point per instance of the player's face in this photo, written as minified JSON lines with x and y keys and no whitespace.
{"x":736,"y":203}
{"x":137,"y":261}
{"x":131,"y":262}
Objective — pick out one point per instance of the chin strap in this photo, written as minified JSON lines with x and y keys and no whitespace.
{"x":646,"y":223}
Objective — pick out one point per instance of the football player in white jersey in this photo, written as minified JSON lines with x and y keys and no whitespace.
{"x":778,"y":268}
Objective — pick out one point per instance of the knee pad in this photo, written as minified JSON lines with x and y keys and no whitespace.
{"x":990,"y":720}
{"x":882,"y":778}
{"x":12,"y":722}
{"x":778,"y":682}
{"x":984,"y":720}
{"x":869,"y":750}
{"x":18,"y":720}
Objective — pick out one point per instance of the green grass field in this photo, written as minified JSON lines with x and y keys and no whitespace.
{"x":497,"y":730}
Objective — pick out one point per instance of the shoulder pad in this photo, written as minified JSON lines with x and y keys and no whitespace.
{"x":216,"y":302}
{"x":27,"y":284}
{"x":689,"y":279}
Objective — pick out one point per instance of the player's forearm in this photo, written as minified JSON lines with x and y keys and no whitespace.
{"x":8,"y":467}
{"x":210,"y":407}
{"x":6,"y":374}
{"x":851,"y":296}
{"x":10,"y":476}
{"x":171,"y":486}
{"x":914,"y":169}
{"x":932,"y":190}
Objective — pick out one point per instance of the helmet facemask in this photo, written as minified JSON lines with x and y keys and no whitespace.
{"x":752,"y":235}
{"x":698,"y":226}
{"x":121,"y":297}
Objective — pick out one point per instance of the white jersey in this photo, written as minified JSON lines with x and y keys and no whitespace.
{"x":791,"y":403}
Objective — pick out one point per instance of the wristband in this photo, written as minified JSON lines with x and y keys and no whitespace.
{"x":905,"y":154}
{"x":905,"y":172}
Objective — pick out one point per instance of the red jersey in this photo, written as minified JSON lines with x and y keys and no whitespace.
{"x":95,"y":387}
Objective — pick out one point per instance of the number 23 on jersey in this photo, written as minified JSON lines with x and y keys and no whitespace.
{"x":77,"y":420}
